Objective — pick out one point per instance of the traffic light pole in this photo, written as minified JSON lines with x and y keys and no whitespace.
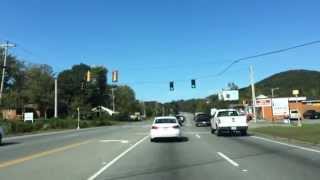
{"x":56,"y":98}
{"x":113,"y":102}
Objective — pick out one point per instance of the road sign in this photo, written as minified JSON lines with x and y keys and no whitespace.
{"x":229,"y":95}
{"x":295,"y":92}
{"x":263,"y":102}
{"x":280,"y":106}
{"x":28,"y":116}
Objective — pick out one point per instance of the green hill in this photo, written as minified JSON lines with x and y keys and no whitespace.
{"x":308,"y":82}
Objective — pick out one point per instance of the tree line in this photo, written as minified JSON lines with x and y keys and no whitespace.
{"x":28,"y":84}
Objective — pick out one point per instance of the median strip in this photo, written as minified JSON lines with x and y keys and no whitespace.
{"x":41,"y":154}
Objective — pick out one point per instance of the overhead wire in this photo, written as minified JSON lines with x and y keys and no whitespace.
{"x":220,"y":73}
{"x":236,"y":61}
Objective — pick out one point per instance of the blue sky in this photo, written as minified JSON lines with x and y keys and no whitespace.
{"x":162,"y":40}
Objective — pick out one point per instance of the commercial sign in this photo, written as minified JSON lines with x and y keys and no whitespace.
{"x":28,"y":117}
{"x":263,"y":102}
{"x":295,"y":92}
{"x":280,"y":106}
{"x":229,"y":95}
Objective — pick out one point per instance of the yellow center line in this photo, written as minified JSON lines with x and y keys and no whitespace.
{"x":41,"y":154}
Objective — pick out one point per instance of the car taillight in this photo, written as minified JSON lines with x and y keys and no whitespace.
{"x":219,"y":121}
{"x":154,"y":127}
{"x":176,"y":127}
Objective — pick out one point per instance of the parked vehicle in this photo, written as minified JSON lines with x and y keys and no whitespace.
{"x":311,"y":114}
{"x":294,"y":114}
{"x":165,"y":127}
{"x":1,"y":135}
{"x":202,"y":120}
{"x":228,"y":120}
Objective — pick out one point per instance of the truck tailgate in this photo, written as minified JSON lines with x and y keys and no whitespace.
{"x":232,"y":121}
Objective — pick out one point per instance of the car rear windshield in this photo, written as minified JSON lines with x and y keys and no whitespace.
{"x":227,"y":113}
{"x":203,"y":118}
{"x":160,"y":121}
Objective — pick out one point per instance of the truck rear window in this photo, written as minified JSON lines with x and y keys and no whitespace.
{"x":227,"y":113}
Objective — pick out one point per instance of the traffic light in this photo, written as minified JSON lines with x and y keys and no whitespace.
{"x":171,"y":86}
{"x":115,"y":76}
{"x":88,"y":77}
{"x":193,"y":83}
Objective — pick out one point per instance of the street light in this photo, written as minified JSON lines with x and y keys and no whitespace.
{"x":272,"y":95}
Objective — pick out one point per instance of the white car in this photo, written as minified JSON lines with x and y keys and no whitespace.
{"x":1,"y":135}
{"x":228,"y":120}
{"x":165,"y":127}
{"x":294,"y":114}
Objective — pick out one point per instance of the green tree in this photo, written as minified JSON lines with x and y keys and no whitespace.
{"x":39,"y":87}
{"x":71,"y":87}
{"x":125,"y":100}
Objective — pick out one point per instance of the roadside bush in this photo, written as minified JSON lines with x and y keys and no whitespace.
{"x":16,"y":127}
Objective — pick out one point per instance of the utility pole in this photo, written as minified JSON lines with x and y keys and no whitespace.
{"x":113,"y":104}
{"x":5,"y":46}
{"x":253,"y":94}
{"x":56,"y":98}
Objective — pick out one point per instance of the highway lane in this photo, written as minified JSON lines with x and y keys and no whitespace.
{"x":200,"y":155}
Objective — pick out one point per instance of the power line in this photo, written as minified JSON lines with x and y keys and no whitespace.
{"x":236,"y":61}
{"x":267,"y":53}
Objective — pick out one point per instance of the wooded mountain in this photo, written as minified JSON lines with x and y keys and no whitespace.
{"x":308,"y":82}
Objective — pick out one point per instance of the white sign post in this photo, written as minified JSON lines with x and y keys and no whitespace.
{"x":296,"y":93}
{"x":28,"y":117}
{"x":280,"y":106}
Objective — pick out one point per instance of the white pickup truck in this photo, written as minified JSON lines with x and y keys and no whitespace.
{"x":228,"y":120}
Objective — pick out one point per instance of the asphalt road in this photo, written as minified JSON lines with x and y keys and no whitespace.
{"x":125,"y":152}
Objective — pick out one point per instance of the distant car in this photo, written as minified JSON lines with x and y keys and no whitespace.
{"x":311,"y":114}
{"x":294,"y":114}
{"x":228,"y":120}
{"x":202,"y":120}
{"x":165,"y":127}
{"x":1,"y":135}
{"x":196,"y":114}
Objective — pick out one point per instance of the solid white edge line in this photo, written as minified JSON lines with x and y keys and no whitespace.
{"x":285,"y":144}
{"x":228,"y":159}
{"x":116,"y":159}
